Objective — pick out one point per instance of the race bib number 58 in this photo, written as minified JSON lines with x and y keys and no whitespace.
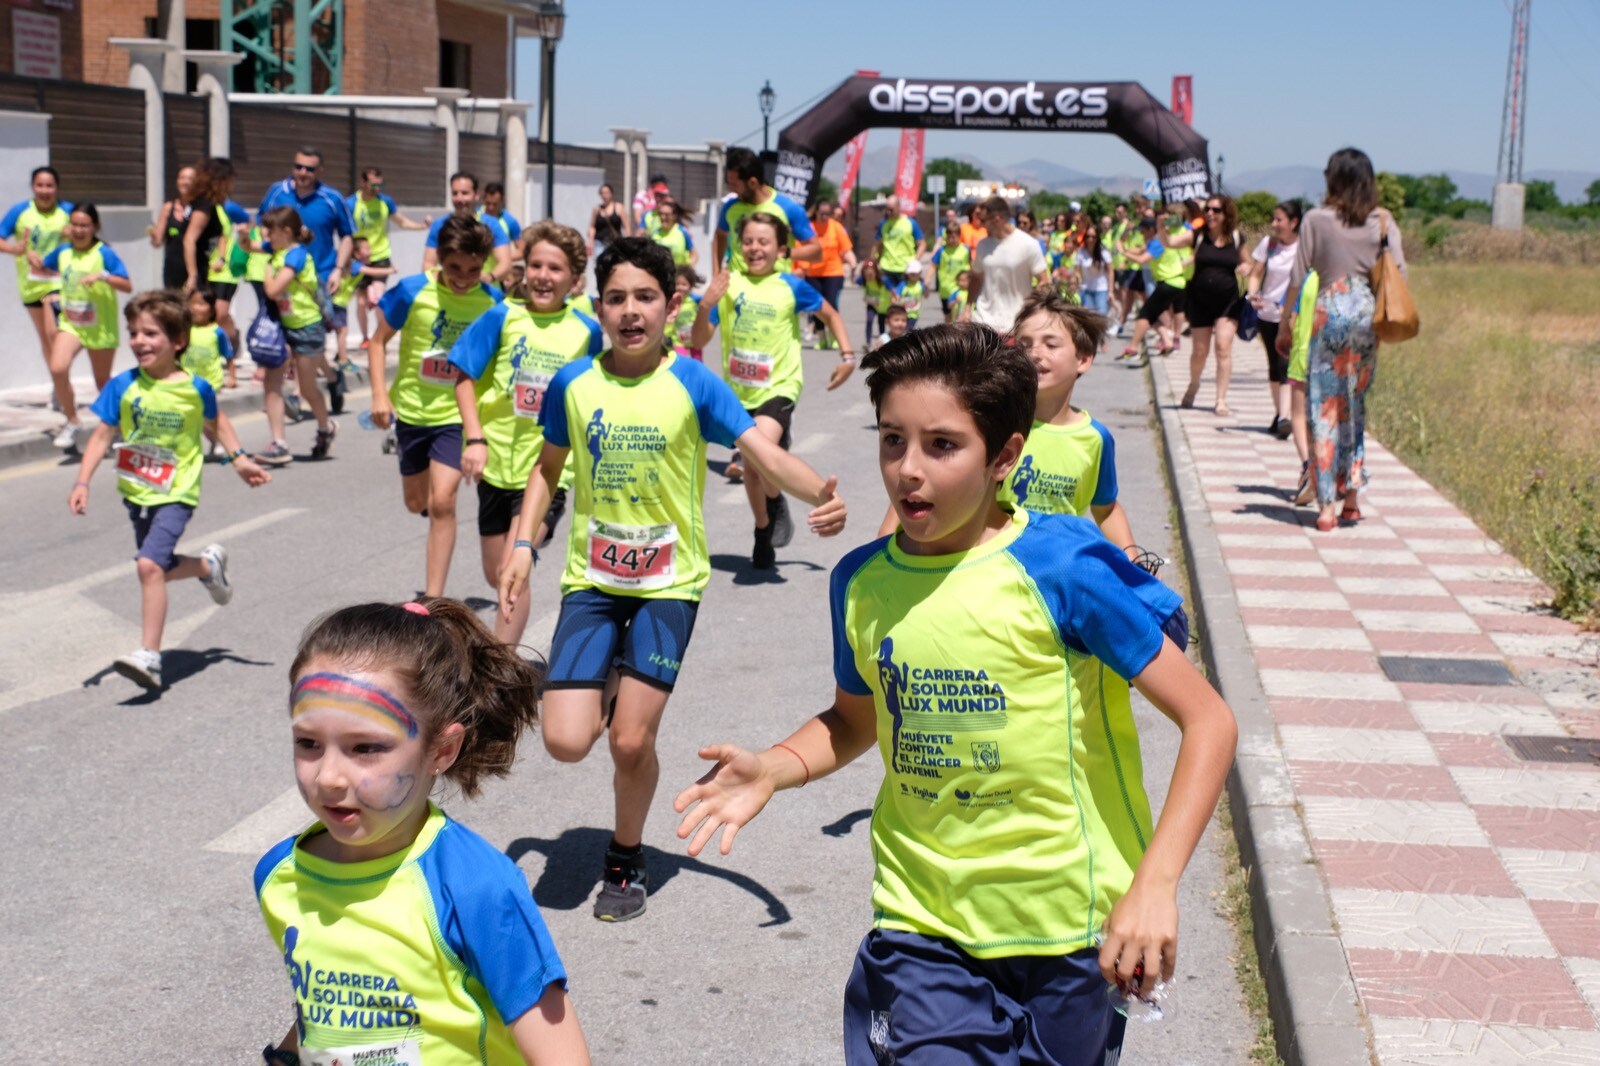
{"x":750,"y":367}
{"x":632,"y":557}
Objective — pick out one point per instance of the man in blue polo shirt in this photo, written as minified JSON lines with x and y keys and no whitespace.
{"x":322,"y":211}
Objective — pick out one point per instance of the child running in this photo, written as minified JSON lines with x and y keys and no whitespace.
{"x":91,"y":276}
{"x":636,"y":562}
{"x":982,"y":651}
{"x":406,"y":936}
{"x":292,"y":284}
{"x":759,"y":311}
{"x":506,"y":360}
{"x":680,"y":328}
{"x":163,"y":413}
{"x":209,"y":354}
{"x":430,"y":311}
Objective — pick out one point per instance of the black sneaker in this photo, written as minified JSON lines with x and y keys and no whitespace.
{"x":778,"y":520}
{"x":622,"y":891}
{"x":324,"y":441}
{"x":336,"y":392}
{"x":1285,"y":428}
{"x":763,"y":556}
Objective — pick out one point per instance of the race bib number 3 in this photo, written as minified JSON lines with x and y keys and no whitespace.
{"x":436,"y":368}
{"x":750,"y":367}
{"x":527,"y":393}
{"x":632,"y":557}
{"x":147,"y":465}
{"x":396,"y":1053}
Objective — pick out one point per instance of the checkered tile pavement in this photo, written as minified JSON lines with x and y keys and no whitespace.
{"x":1465,"y":881}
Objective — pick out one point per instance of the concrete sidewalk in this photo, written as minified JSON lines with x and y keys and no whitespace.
{"x":1426,"y":873}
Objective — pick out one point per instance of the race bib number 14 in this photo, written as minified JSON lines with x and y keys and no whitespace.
{"x":436,"y":368}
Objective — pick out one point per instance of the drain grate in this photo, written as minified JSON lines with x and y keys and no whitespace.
{"x":1430,"y":670}
{"x":1555,"y":749}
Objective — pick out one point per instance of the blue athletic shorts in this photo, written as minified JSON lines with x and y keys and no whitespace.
{"x":157,"y":530}
{"x":917,"y":1000}
{"x":418,"y":446}
{"x":596,"y":630}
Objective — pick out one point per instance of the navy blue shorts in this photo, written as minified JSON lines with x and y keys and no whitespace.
{"x":917,"y":1000}
{"x":644,"y":638}
{"x":157,"y":530}
{"x":418,"y":446}
{"x":307,"y":341}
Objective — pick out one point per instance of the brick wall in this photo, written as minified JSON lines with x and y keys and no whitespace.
{"x":102,"y":20}
{"x":391,"y":47}
{"x":71,"y":36}
{"x":486,"y":34}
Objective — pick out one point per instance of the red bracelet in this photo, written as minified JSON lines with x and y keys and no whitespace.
{"x":803,"y":764}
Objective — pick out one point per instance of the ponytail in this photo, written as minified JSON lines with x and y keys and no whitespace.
{"x":449,"y":665}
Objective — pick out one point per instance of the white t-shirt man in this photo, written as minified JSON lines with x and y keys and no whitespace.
{"x":1008,"y":266}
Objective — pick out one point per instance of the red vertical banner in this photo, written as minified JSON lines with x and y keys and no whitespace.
{"x":908,"y":172}
{"x":852,"y":167}
{"x":1183,"y":97}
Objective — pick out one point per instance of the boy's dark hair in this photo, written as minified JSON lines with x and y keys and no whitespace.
{"x":779,"y":226}
{"x":566,"y":238}
{"x":169,"y":309}
{"x":652,"y":258}
{"x":994,"y":381}
{"x":1086,"y":328}
{"x":494,"y":188}
{"x":743,"y":162}
{"x":285,"y":218}
{"x":996,"y":205}
{"x":895,"y":309}
{"x":465,"y":235}
{"x":451,"y":668}
{"x":467,"y":174}
{"x":687,"y":271}
{"x":372,"y":172}
{"x":310,"y":150}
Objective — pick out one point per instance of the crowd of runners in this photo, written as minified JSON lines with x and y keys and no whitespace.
{"x":984,"y":641}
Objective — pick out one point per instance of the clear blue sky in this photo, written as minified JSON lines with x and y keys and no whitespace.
{"x":1418,"y":84}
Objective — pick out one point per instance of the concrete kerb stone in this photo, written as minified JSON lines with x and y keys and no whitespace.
{"x":1311,"y":994}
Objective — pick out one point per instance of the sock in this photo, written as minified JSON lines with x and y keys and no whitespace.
{"x":635,"y":852}
{"x":764,"y":532}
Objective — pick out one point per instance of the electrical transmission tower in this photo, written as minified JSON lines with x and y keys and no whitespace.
{"x":1508,"y":190}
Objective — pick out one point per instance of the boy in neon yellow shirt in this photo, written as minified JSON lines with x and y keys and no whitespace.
{"x":636,"y":420}
{"x":984,"y":652}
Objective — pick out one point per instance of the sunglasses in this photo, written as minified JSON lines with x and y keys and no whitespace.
{"x":1213,"y":209}
{"x":309,"y":170}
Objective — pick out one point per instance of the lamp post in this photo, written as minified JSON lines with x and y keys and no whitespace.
{"x":1221,"y":159}
{"x":768,"y":98}
{"x":551,"y":20}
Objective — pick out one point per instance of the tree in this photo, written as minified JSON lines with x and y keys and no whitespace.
{"x":1592,"y":193}
{"x":1428,"y":193}
{"x":954,"y":170}
{"x":1098,"y":204}
{"x":1391,"y":193}
{"x":1541,"y":196}
{"x":827,"y":190}
{"x":1255,"y":208}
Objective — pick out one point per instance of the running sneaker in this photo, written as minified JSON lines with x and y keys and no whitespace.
{"x":763,"y":556}
{"x":216,"y":582}
{"x":66,"y":437}
{"x":778,"y":520}
{"x":1285,"y":429}
{"x":622,"y":891}
{"x":276,"y":454}
{"x":336,"y":393}
{"x":294,"y":408}
{"x":324,"y":441}
{"x":391,"y":442}
{"x":141,"y":666}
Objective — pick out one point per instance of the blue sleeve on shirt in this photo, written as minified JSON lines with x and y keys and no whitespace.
{"x":433,"y":232}
{"x":475,"y":349}
{"x":351,"y":201}
{"x":387,"y":202}
{"x":272,"y":860}
{"x":224,"y":345}
{"x":722,"y":213}
{"x":722,"y":418}
{"x":877,"y":234}
{"x":1154,"y":249}
{"x":395,"y":306}
{"x":806,"y":297}
{"x":344,"y":220}
{"x":1105,"y":488}
{"x":916,"y":229}
{"x":8,"y":225}
{"x":113,"y":262}
{"x":295,"y":258}
{"x":107,"y":407}
{"x":208,"y":397}
{"x":845,"y":674}
{"x":497,"y":230}
{"x":938,"y":254}
{"x":513,"y":227}
{"x":1101,"y":603}
{"x":52,"y":258}
{"x":236,"y":213}
{"x":714,"y":317}
{"x":597,"y":336}
{"x":553,"y":409}
{"x":688,"y":241}
{"x":488,"y":918}
{"x":799,"y":222}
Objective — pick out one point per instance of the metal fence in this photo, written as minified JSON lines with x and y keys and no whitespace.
{"x":484,"y":156}
{"x":91,"y":127}
{"x":265,"y":138}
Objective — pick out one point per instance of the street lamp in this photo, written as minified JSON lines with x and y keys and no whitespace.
{"x":768,"y":98}
{"x":1221,"y":159}
{"x":551,"y":20}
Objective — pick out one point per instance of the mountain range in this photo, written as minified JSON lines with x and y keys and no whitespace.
{"x":878,"y":167}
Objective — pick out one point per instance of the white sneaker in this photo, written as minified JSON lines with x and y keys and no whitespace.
{"x":67,"y":437}
{"x":216,"y":583}
{"x":141,"y":666}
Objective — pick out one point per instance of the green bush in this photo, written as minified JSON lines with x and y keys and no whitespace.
{"x":1255,"y":208}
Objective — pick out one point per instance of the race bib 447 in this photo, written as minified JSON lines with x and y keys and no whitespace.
{"x":632,"y":557}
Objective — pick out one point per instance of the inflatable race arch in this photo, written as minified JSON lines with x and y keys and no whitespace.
{"x":1123,"y":108}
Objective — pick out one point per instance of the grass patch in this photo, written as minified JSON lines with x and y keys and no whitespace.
{"x":1497,"y":403}
{"x":1246,"y":964}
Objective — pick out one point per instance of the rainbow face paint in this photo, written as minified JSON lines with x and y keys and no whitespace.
{"x":339,"y":692}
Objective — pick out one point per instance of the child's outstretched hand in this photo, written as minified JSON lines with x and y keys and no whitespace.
{"x":841,"y":373}
{"x":1141,"y":934}
{"x":827,"y":518}
{"x":731,"y":794}
{"x":78,"y":500}
{"x":251,"y":472}
{"x":717,"y":289}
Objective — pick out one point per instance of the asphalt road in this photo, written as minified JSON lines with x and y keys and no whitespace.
{"x":133,"y":932}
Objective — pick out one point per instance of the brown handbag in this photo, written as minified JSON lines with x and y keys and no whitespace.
{"x":1394,"y":316}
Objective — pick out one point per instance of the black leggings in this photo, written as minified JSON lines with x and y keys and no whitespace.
{"x":1277,"y":365}
{"x":1164,"y":298}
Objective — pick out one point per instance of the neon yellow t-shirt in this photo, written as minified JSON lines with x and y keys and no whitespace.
{"x":1305,"y":316}
{"x":88,"y":310}
{"x":899,"y":237}
{"x":347,"y":285}
{"x":430,"y":319}
{"x":777,"y":205}
{"x":1012,"y":813}
{"x":948,"y":263}
{"x":371,"y":219}
{"x":759,"y":323}
{"x":675,"y":240}
{"x":297,"y":304}
{"x":639,"y":460}
{"x":162,"y":424}
{"x":582,"y":301}
{"x":206,"y":353}
{"x":512,"y":353}
{"x":46,"y":231}
{"x":908,"y":295}
{"x":229,"y":240}
{"x":255,"y":267}
{"x":422,"y":956}
{"x":1168,"y":265}
{"x":1064,"y":470}
{"x":876,"y":295}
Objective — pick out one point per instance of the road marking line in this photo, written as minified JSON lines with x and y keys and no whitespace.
{"x":112,"y":573}
{"x":286,"y":814}
{"x":812,"y":442}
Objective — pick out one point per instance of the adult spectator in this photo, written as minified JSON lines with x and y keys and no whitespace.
{"x":1340,"y":241}
{"x":1092,"y":261}
{"x":826,"y":275}
{"x":752,"y":196}
{"x":322,"y":210}
{"x":1268,"y":287}
{"x":215,"y":226}
{"x":1005,"y":267}
{"x":167,"y":232}
{"x":644,"y":204}
{"x":971,"y":230}
{"x":1213,"y":301}
{"x":899,"y":240}
{"x":30,"y":231}
{"x":464,"y":203}
{"x":494,"y":206}
{"x":607,"y":223}
{"x":372,"y":210}
{"x":1027,"y":223}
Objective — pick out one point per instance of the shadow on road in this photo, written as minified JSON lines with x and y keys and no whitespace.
{"x":1282,"y":512}
{"x":572,"y":871}
{"x":177,"y":664}
{"x":842,"y":827}
{"x":745,"y":574}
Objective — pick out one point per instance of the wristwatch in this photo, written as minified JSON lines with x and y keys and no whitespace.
{"x":475,"y":440}
{"x":847,"y":357}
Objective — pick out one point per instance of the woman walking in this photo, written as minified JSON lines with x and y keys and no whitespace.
{"x":1267,"y":289}
{"x":167,"y":233}
{"x":607,"y":223}
{"x":1213,"y":303}
{"x":1340,"y":241}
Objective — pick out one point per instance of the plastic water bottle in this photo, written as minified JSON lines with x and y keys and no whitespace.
{"x":364,"y":420}
{"x":1152,"y":1006}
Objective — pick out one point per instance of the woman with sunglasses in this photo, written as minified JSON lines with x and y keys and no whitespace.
{"x":1213,"y":297}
